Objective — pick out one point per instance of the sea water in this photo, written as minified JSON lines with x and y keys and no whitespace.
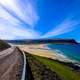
{"x":72,"y":51}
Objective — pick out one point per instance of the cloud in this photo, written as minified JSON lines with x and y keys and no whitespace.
{"x":65,"y":26}
{"x":22,"y":11}
{"x":17,"y":19}
{"x":9,"y":31}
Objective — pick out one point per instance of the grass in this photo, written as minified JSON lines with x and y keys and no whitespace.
{"x":39,"y":70}
{"x":63,"y":71}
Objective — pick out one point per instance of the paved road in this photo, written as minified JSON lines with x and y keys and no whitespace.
{"x":11,"y":64}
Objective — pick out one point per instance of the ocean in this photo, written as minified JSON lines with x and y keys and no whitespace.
{"x":72,"y":51}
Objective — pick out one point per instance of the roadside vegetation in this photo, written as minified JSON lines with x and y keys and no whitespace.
{"x":45,"y":69}
{"x":40,"y":71}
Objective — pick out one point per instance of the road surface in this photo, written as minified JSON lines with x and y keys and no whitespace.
{"x":11,"y":64}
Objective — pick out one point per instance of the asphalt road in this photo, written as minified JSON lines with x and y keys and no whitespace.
{"x":11,"y":64}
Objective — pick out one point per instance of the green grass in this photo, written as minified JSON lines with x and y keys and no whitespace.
{"x":39,"y":70}
{"x":63,"y":71}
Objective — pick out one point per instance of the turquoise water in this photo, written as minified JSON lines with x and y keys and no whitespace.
{"x":72,"y":51}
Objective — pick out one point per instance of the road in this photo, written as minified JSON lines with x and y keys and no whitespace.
{"x":11,"y":64}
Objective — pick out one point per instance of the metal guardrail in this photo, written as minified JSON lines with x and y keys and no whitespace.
{"x":24,"y":67}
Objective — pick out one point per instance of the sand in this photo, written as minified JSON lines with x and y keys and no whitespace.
{"x":43,"y":50}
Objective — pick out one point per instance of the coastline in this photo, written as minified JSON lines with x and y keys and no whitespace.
{"x":59,"y":56}
{"x":45,"y":51}
{"x":65,"y":56}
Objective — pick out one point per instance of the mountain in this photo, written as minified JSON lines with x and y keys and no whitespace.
{"x":42,"y":41}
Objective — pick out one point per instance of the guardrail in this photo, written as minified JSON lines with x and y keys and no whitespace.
{"x":24,"y":67}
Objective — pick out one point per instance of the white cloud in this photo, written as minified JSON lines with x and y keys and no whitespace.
{"x":13,"y":32}
{"x":25,"y":12}
{"x":64,"y":27}
{"x":13,"y":19}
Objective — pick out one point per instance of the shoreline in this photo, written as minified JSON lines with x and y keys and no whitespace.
{"x":58,"y":53}
{"x":45,"y":51}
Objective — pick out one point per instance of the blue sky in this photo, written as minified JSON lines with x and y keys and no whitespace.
{"x":34,"y":19}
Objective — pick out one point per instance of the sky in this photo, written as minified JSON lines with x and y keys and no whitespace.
{"x":36,"y":19}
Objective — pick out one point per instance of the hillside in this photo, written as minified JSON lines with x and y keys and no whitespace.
{"x":3,"y":45}
{"x":46,"y":69}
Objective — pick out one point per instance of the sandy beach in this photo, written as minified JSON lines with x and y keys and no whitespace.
{"x":43,"y":50}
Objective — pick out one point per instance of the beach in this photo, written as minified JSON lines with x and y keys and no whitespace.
{"x":44,"y":51}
